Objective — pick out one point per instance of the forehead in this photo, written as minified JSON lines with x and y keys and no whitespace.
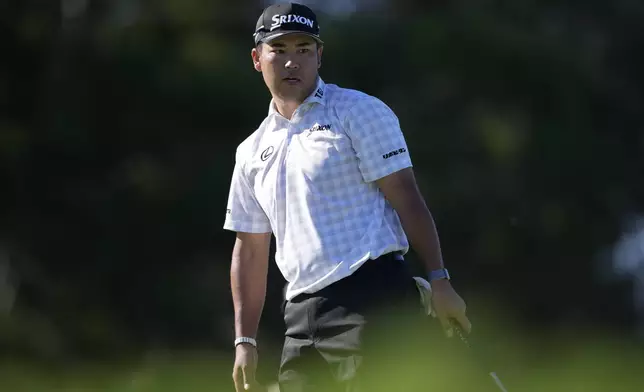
{"x":293,"y":39}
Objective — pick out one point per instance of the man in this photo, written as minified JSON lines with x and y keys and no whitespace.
{"x":329,"y":174}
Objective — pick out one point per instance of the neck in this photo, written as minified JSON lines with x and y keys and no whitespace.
{"x":286,"y":107}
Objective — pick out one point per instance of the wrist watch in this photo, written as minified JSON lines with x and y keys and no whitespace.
{"x":441,"y":273}
{"x":245,"y":339}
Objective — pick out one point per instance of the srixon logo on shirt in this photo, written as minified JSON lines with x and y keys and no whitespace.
{"x":395,"y":152}
{"x":278,"y":20}
{"x":318,"y":127}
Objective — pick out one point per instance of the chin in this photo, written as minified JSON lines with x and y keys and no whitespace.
{"x":293,"y":93}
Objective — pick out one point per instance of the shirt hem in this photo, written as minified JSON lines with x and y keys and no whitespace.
{"x":336,"y":276}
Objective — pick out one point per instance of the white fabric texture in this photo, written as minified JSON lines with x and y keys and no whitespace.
{"x":310,"y":181}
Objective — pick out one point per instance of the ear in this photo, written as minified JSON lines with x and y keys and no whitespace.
{"x":320,"y":49}
{"x":255,"y":54}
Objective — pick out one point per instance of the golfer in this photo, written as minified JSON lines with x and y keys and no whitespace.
{"x":329,"y":174}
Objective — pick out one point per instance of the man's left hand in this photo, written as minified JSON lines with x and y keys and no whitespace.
{"x":449,"y":307}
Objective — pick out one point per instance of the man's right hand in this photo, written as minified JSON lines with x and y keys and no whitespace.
{"x":244,"y":369}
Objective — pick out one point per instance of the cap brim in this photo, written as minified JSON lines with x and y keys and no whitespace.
{"x":283,"y":33}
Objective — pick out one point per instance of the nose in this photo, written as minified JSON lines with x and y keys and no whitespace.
{"x":290,"y":64}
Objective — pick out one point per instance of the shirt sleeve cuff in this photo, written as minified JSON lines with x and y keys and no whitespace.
{"x":247,"y":227}
{"x":385,"y":170}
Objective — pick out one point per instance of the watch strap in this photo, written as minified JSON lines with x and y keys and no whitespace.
{"x":440,"y":273}
{"x":244,"y":339}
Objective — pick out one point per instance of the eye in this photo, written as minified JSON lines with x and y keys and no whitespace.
{"x":277,"y":51}
{"x":304,"y":50}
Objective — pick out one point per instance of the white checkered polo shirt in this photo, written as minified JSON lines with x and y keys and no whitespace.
{"x":309,"y":181}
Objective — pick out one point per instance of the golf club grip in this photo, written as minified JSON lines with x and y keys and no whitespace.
{"x":459,"y":331}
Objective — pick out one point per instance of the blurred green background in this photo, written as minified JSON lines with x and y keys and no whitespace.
{"x":118,"y":126}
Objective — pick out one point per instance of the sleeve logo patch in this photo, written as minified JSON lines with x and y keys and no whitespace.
{"x":393,"y":153}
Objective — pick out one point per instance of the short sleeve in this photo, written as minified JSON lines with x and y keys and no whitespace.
{"x":243,"y":212}
{"x":377,"y":139}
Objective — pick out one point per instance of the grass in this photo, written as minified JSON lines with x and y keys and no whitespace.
{"x":568,"y":362}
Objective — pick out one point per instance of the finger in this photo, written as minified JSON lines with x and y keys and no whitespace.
{"x":447,"y":326}
{"x":248,"y":378}
{"x":461,"y":322}
{"x":465,"y":323}
{"x":253,"y":386}
{"x":238,"y":380}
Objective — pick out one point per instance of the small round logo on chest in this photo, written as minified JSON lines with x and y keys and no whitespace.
{"x":267,"y":153}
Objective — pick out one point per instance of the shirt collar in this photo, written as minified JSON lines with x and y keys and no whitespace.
{"x":317,"y":96}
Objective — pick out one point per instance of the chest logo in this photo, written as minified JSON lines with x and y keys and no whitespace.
{"x":267,"y":153}
{"x":318,"y":127}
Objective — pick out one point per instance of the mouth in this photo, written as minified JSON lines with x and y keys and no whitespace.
{"x":292,"y":80}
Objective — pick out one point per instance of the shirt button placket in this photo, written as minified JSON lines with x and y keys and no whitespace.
{"x":281,"y":193}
